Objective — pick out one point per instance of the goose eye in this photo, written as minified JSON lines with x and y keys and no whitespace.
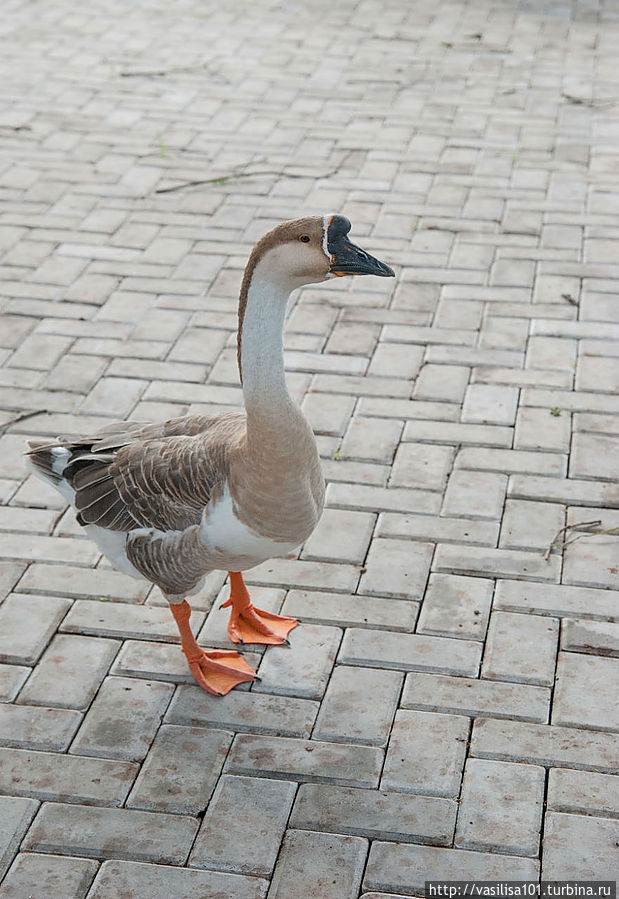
{"x":304,"y":238}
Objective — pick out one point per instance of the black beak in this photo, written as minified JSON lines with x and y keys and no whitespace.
{"x":346,"y":257}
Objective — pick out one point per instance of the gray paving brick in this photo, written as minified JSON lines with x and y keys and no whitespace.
{"x":11,"y":679}
{"x":409,"y":652}
{"x":421,"y":465}
{"x":323,"y":865}
{"x":123,"y":719}
{"x":396,"y":568}
{"x":99,"y":619}
{"x":181,"y":769}
{"x":596,"y":637}
{"x":27,"y":624}
{"x":554,"y":600}
{"x":583,"y":792}
{"x":456,"y":607}
{"x":477,"y":561}
{"x":500,"y":807}
{"x":352,"y":611}
{"x":346,"y":716}
{"x":15,"y":817}
{"x":548,"y":745}
{"x":341,"y":535}
{"x":405,"y":868}
{"x":48,"y":875}
{"x":426,"y":754}
{"x":103,"y":832}
{"x":304,"y":760}
{"x":475,"y":698}
{"x":142,"y":881}
{"x":29,"y":727}
{"x":64,"y":580}
{"x":239,"y":711}
{"x":443,"y":530}
{"x":579,"y":847}
{"x":69,"y":672}
{"x":303,"y":668}
{"x":375,"y":814}
{"x":49,"y":775}
{"x":521,"y":648}
{"x":475,"y":494}
{"x":584,"y":693}
{"x":247,"y":843}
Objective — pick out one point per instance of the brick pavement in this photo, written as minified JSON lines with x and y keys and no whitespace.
{"x":447,"y":708}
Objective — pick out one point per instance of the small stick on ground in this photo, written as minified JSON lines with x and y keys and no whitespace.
{"x":20,"y":417}
{"x":588,"y":528}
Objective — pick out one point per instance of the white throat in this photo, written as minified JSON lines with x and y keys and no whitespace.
{"x":262,"y":347}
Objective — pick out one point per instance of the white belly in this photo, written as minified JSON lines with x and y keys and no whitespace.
{"x":223,"y":533}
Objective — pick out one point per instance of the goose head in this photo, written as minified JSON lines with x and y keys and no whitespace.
{"x":310,"y":250}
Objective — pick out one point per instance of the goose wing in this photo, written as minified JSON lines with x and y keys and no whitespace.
{"x":134,"y":475}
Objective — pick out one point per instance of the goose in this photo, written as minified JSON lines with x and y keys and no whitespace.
{"x":171,"y":502}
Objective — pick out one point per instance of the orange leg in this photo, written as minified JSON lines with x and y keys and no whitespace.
{"x":251,"y":625}
{"x":217,"y":671}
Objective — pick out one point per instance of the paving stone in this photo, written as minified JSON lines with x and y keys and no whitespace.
{"x":405,"y":867}
{"x":303,"y":668}
{"x":490,"y":404}
{"x":375,"y":814}
{"x":426,"y":754}
{"x":521,"y":648}
{"x":341,"y":536}
{"x":548,"y":745}
{"x":11,"y":679}
{"x":579,"y":847}
{"x":371,"y":439}
{"x":69,"y":672}
{"x":63,"y":580}
{"x":409,"y":652}
{"x":103,"y":832}
{"x":346,"y":715}
{"x":500,"y":807}
{"x":456,"y":607}
{"x":123,"y":719}
{"x":29,"y":727}
{"x":475,"y":698}
{"x":254,"y":712}
{"x":332,"y":864}
{"x":554,"y":600}
{"x":584,"y":692}
{"x":142,"y":881}
{"x":594,"y":456}
{"x":530,"y":525}
{"x":346,"y":610}
{"x":37,"y":876}
{"x":381,"y":499}
{"x":27,"y":624}
{"x":304,"y":760}
{"x":283,"y":572}
{"x":99,"y":619}
{"x":475,"y":494}
{"x":537,"y":429}
{"x":446,"y":383}
{"x":456,"y":432}
{"x":444,"y":530}
{"x":476,"y":561}
{"x":159,"y":661}
{"x":10,"y":573}
{"x":592,"y":561}
{"x":596,"y":637}
{"x":396,"y":568}
{"x":421,"y":465}
{"x":180,"y":771}
{"x":247,"y":843}
{"x":15,"y":817}
{"x":482,"y":459}
{"x":583,"y":792}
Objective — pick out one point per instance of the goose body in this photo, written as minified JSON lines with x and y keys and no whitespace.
{"x":170,"y":502}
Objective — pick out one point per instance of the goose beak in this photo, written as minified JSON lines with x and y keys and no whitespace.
{"x":346,"y":257}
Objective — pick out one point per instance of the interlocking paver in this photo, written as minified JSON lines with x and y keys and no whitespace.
{"x":246,"y":843}
{"x":465,"y":412}
{"x":116,"y":832}
{"x":16,"y":815}
{"x":500,"y":807}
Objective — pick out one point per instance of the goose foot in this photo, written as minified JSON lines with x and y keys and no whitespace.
{"x":217,"y":671}
{"x":249,"y":624}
